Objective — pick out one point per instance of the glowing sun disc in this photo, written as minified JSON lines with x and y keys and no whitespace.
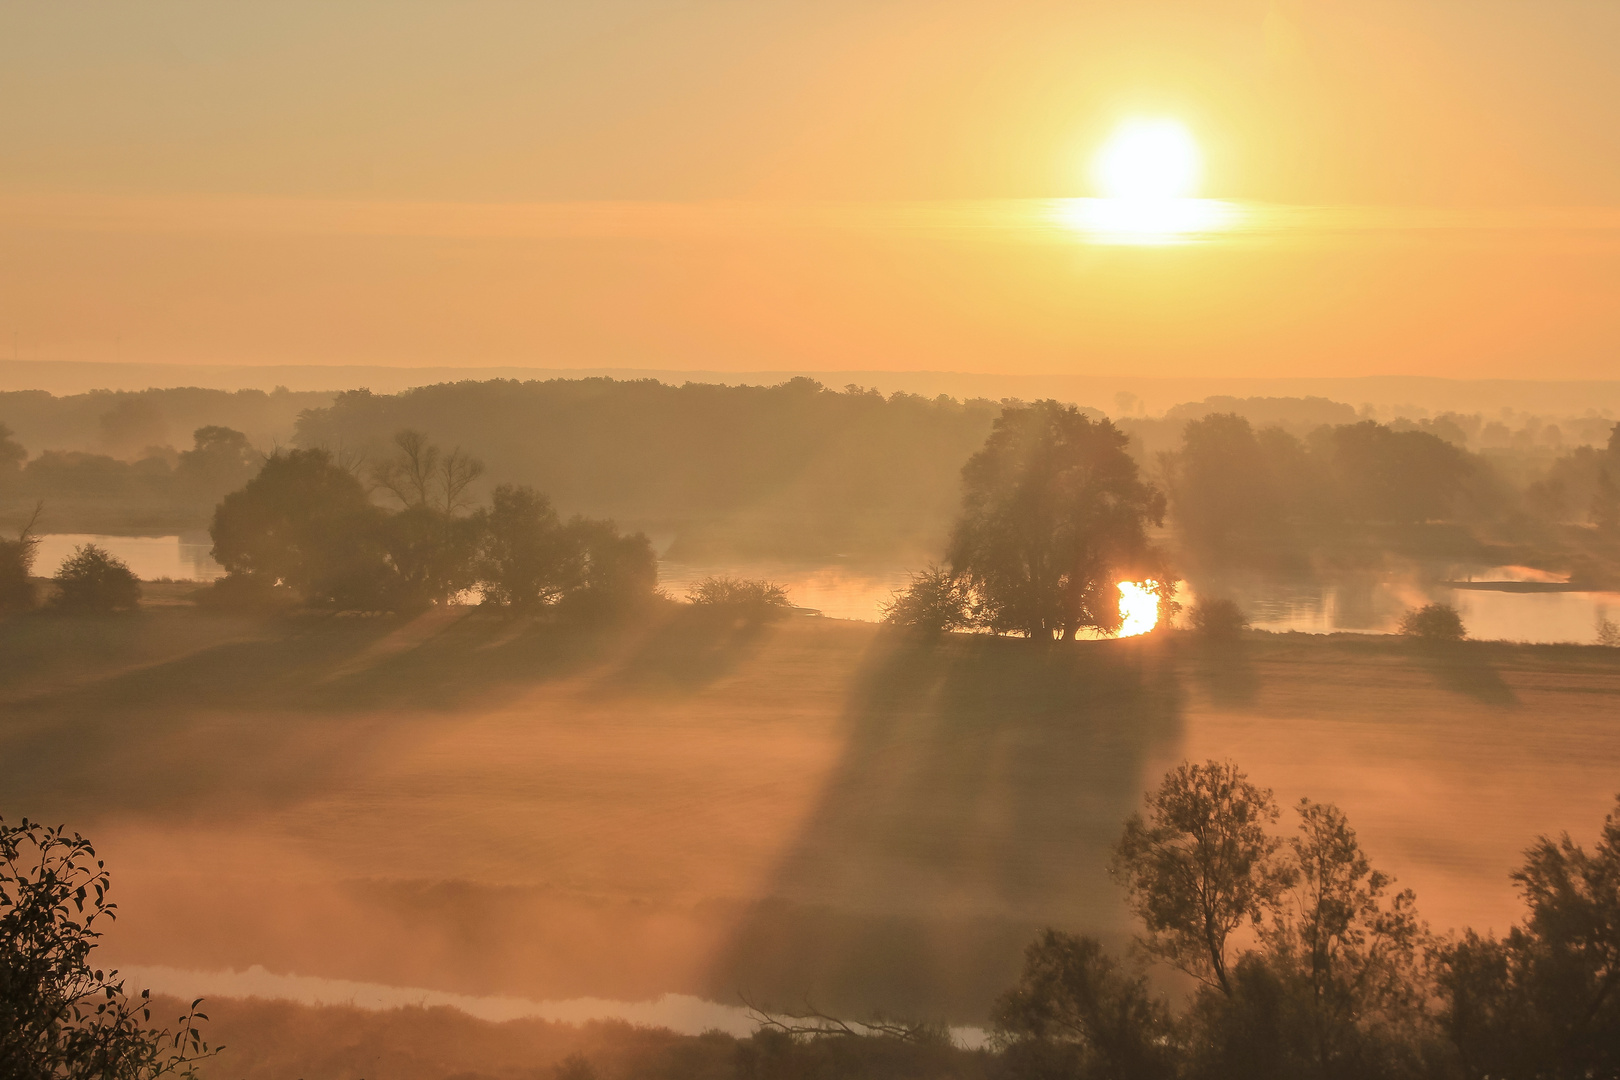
{"x":1138,"y":607}
{"x":1148,"y":160}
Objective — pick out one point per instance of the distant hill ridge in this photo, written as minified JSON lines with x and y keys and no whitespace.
{"x":1388,"y":393}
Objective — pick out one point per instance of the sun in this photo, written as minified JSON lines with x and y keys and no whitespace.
{"x":1138,"y":607}
{"x":1148,"y":160}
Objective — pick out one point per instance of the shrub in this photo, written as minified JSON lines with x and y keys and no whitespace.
{"x":936,"y":602}
{"x":93,"y":579}
{"x":1608,"y":633}
{"x":1219,"y":618}
{"x":753,"y":600}
{"x":1434,"y":622}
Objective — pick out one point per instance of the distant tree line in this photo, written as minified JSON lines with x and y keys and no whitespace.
{"x":801,"y":470}
{"x":1582,"y":485}
{"x":795,"y":470}
{"x":165,"y":488}
{"x":1238,"y":494}
{"x":132,"y":424}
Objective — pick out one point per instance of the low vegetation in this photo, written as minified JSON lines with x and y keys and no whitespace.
{"x":1218,"y":618}
{"x":92,"y":580}
{"x":751,"y":601}
{"x":1434,"y":622}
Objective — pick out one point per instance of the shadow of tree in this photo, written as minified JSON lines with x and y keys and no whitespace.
{"x":1225,"y":670}
{"x":683,"y":652}
{"x":982,"y":786}
{"x":1464,"y":667}
{"x":264,"y":719}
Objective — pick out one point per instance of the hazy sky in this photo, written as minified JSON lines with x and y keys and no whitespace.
{"x":406,"y":183}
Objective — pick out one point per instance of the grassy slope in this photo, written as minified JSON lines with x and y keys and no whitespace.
{"x":493,"y":807}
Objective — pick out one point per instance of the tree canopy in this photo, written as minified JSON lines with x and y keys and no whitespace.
{"x":305,"y":522}
{"x":1054,"y":513}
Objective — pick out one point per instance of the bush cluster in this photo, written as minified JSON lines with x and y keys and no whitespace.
{"x":306,"y":526}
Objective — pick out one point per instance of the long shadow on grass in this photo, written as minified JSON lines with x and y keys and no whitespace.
{"x":684,"y":652}
{"x":1226,"y":671}
{"x":1464,"y":667}
{"x":256,"y":723}
{"x":983,"y":784}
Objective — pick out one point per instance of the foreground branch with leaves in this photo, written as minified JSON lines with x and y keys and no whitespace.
{"x":60,"y":1017}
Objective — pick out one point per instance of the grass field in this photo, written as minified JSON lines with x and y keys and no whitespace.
{"x":486,"y":806}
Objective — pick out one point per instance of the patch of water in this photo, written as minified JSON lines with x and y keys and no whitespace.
{"x":182,"y":557}
{"x":1371,"y":605}
{"x":838,"y":591}
{"x":681,"y":1013}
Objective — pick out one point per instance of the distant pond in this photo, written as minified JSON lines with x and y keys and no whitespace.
{"x":1492,"y":605}
{"x":1359,"y":604}
{"x":183,"y":557}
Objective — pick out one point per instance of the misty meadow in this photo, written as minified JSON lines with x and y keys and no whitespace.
{"x":707,"y":541}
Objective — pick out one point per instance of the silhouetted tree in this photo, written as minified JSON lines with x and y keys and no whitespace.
{"x":305,"y":522}
{"x":1218,"y":618}
{"x":1053,"y":513}
{"x":430,"y":547}
{"x":1544,"y":1003}
{"x":61,"y":1018}
{"x":421,"y":476}
{"x":1078,"y":1013}
{"x":17,"y":565}
{"x":94,"y":580}
{"x":430,"y":556}
{"x":1434,"y":622}
{"x":617,"y":571}
{"x":1336,"y":988}
{"x":526,"y":558}
{"x":1201,"y":866}
{"x":935,"y":602}
{"x":1337,"y":977}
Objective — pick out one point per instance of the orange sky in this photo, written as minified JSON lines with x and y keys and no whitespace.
{"x":733,"y":185}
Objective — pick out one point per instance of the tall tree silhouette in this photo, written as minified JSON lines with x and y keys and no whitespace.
{"x":1053,"y":512}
